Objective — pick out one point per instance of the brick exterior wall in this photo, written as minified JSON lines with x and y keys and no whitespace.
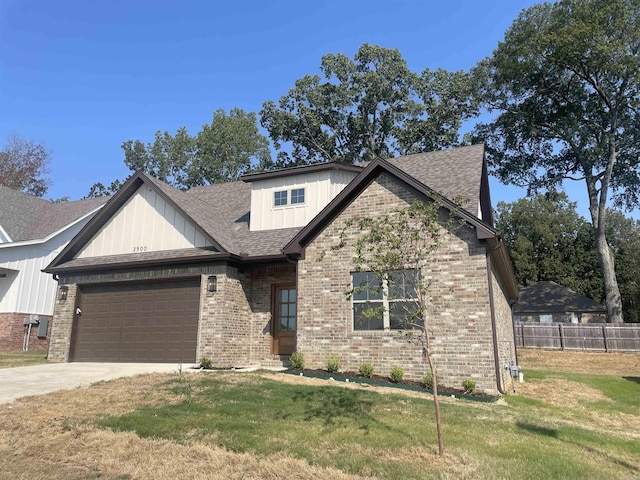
{"x":235,"y":321}
{"x":224,"y":331}
{"x":504,"y":331}
{"x":62,"y":324}
{"x":459,"y":319}
{"x":12,"y":332}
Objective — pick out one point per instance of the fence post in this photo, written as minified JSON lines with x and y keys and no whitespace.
{"x":524,"y":344}
{"x":561,"y":337}
{"x":604,"y":336}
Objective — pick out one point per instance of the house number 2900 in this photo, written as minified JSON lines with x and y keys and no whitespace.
{"x":139,"y":249}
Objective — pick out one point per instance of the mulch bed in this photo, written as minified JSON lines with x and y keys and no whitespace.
{"x":386,"y":381}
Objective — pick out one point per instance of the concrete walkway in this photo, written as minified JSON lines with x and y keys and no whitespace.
{"x":38,"y":379}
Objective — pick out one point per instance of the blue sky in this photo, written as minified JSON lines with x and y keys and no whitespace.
{"x":84,"y":76}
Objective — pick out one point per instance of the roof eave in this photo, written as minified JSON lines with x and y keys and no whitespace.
{"x":287,"y":172}
{"x":216,"y":256}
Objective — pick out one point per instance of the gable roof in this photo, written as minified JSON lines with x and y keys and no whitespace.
{"x":550,"y":297}
{"x":372,"y":171}
{"x":222,"y":211}
{"x":25,"y":217}
{"x":484,"y":231}
{"x":456,"y":172}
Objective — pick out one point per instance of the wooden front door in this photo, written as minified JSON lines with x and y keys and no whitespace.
{"x":284,"y":320}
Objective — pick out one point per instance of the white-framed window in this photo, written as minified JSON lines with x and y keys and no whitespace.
{"x":294,"y":196}
{"x":280,"y":198}
{"x":383,"y":303}
{"x":297,"y":196}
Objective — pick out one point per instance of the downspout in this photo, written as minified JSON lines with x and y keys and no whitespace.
{"x":496,"y":357}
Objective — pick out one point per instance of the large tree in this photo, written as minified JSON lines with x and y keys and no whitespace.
{"x":368,"y":106}
{"x":24,"y":165}
{"x":565,"y":84}
{"x":221,"y":152}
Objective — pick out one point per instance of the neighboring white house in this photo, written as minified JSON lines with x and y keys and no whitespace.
{"x":32,"y":232}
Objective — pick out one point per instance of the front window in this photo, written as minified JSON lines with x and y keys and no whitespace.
{"x":387,"y":302}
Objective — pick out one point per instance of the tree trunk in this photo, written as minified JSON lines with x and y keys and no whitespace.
{"x":598,"y":210}
{"x":434,"y":379}
{"x":612,"y":292}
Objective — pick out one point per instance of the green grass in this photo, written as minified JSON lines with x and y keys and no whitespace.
{"x":621,"y":392}
{"x":21,"y":359}
{"x":367,"y":433}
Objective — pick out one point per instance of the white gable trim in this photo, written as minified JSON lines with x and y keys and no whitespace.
{"x":4,"y":236}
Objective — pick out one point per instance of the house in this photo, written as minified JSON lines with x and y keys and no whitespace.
{"x":232,"y":272}
{"x":32,"y":232}
{"x":548,"y":302}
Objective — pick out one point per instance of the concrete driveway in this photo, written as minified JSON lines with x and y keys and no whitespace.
{"x":38,"y":379}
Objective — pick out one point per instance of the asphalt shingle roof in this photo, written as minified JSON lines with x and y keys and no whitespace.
{"x":452,"y":173}
{"x":26,"y":217}
{"x":551,"y":297}
{"x":223,"y":210}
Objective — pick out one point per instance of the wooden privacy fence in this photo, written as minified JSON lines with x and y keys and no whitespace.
{"x":569,"y":336}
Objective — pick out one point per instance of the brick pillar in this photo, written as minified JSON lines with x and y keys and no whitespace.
{"x":62,"y":324}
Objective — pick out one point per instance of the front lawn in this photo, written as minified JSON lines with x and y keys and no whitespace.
{"x":267,"y":425}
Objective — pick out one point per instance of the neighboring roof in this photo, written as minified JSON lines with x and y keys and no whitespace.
{"x":26,"y":217}
{"x":550,"y":297}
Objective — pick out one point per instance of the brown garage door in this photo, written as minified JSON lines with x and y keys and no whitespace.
{"x":137,"y":322}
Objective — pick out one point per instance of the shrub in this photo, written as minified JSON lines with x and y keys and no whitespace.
{"x":428,"y":380}
{"x":297,"y":360}
{"x":205,"y":362}
{"x":333,"y":365}
{"x":396,"y":374}
{"x":469,"y":386}
{"x":366,"y":370}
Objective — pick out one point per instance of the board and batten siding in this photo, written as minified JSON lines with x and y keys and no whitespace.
{"x":320,"y":188}
{"x":145,"y":223}
{"x":26,"y":289}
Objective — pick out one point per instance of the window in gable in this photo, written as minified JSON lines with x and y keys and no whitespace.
{"x":280,"y":198}
{"x":297,"y":195}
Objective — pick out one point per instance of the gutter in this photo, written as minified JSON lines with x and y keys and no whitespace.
{"x":494,"y":333}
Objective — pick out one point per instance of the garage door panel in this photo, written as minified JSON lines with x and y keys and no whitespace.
{"x":138,"y":322}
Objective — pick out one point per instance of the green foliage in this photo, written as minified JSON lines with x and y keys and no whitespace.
{"x":548,"y":240}
{"x":205,"y":362}
{"x":469,"y":386}
{"x":333,"y":364}
{"x":565,"y":83}
{"x":396,"y":374}
{"x":24,"y":165}
{"x":428,"y":380}
{"x":366,"y":370}
{"x":229,"y":147}
{"x":297,"y":360}
{"x":368,"y":106}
